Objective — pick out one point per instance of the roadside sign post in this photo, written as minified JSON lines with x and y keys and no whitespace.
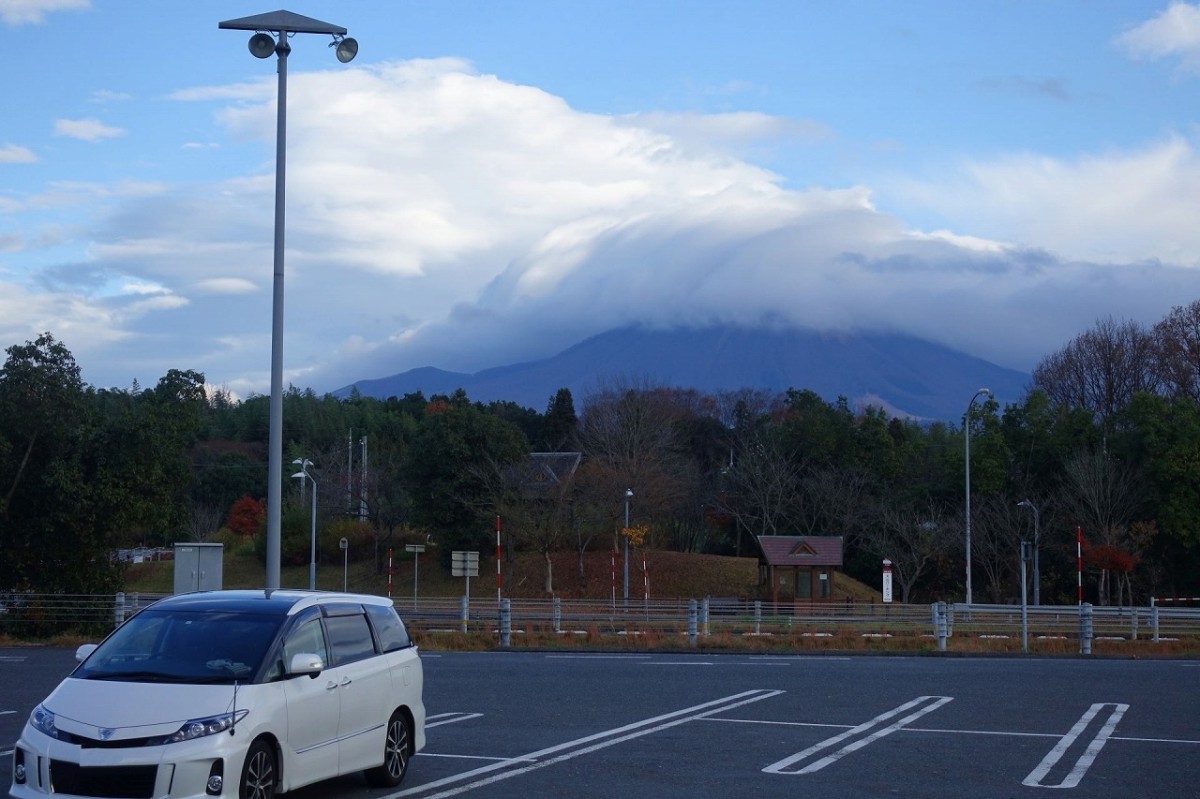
{"x":345,"y":546}
{"x":465,"y":564}
{"x":887,"y":581}
{"x":416,"y":549}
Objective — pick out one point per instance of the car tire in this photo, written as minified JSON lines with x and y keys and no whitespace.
{"x":259,"y":773}
{"x":396,"y":753}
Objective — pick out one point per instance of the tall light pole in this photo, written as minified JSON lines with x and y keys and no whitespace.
{"x":1037,"y":593}
{"x":983,"y":392}
{"x":628,"y":496}
{"x":304,"y":474}
{"x":284,"y":24}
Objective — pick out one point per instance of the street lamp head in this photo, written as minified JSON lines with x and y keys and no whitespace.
{"x":301,"y":475}
{"x":347,"y":48}
{"x":628,"y":493}
{"x":262,"y":45}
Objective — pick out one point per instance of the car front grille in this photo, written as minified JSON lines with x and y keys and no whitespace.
{"x":133,"y":782}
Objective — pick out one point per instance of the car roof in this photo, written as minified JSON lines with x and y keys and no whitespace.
{"x":280,"y":602}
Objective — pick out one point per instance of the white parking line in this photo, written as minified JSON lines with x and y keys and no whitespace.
{"x":449,"y":718}
{"x":580,"y":746}
{"x":926,"y":704}
{"x":1034,"y":780}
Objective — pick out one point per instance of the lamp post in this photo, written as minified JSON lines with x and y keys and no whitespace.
{"x":312,"y":561}
{"x":628,"y":496}
{"x":983,"y":392}
{"x":284,"y":24}
{"x":1037,"y":592}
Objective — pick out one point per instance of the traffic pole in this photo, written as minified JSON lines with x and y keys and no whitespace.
{"x":1079,"y":562}
{"x":498,"y":558}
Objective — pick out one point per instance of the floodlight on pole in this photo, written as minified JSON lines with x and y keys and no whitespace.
{"x":284,"y":25}
{"x":304,"y":475}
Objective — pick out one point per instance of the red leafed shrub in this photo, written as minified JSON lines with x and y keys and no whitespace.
{"x":247,"y":516}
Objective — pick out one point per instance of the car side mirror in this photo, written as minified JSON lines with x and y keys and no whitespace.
{"x":305,"y":663}
{"x":82,"y":653}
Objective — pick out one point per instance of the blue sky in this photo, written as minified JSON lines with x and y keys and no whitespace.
{"x":490,"y":182}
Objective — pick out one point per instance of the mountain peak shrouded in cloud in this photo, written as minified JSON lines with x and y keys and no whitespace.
{"x":507,"y":195}
{"x":899,"y":374}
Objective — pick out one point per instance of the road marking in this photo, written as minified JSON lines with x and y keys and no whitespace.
{"x":449,"y":718}
{"x":585,"y":745}
{"x":919,"y":707}
{"x":1034,"y":780}
{"x":597,"y":657}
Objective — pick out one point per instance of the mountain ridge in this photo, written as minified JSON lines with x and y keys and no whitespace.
{"x":901,"y":374}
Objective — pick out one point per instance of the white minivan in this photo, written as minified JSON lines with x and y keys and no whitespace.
{"x":231,"y":694}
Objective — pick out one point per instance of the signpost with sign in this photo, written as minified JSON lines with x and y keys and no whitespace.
{"x":465,"y":564}
{"x":416,"y":549}
{"x":887,"y":581}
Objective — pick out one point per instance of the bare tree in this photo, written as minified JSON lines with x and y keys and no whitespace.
{"x":913,"y":538}
{"x":1100,"y":369}
{"x":763,"y":487}
{"x":1177,"y":352}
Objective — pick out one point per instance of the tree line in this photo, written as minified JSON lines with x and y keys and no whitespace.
{"x":1106,"y":442}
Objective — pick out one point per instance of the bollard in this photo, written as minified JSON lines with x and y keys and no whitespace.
{"x":1085,"y":629}
{"x":465,"y":613}
{"x":940,"y":625}
{"x":758,"y":617}
{"x":505,"y":623}
{"x":704,"y":616}
{"x":119,"y":610}
{"x":1133,"y":632}
{"x":692,"y":623}
{"x":1154,"y":619}
{"x":557,"y":615}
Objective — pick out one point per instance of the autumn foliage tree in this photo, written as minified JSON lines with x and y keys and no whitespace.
{"x":247,"y":516}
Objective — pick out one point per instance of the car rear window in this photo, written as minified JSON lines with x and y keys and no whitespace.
{"x":349,"y":638}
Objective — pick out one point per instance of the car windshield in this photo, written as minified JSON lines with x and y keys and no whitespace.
{"x":184,"y":647}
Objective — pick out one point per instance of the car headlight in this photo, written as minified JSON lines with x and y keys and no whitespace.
{"x":199,"y":728}
{"x":42,"y":720}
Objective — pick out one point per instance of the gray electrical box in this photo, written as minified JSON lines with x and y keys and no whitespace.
{"x":198,"y":567}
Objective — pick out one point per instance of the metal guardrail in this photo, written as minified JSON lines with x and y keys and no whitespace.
{"x":42,"y":615}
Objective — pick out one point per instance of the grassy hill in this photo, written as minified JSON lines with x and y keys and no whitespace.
{"x":672,"y":575}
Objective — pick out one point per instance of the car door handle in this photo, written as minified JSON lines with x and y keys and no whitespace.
{"x":346,"y":681}
{"x":331,"y":686}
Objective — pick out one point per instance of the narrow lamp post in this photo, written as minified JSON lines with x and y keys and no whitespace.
{"x":628,"y":496}
{"x":284,"y":24}
{"x":1037,"y":579}
{"x":304,"y":474}
{"x":983,"y":392}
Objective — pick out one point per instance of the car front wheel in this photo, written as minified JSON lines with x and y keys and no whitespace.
{"x":395,"y":754}
{"x":258,"y":772}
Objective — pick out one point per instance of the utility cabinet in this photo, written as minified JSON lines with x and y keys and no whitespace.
{"x":198,"y":567}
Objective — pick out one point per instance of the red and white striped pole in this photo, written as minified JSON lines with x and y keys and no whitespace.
{"x":612,"y":557}
{"x":1079,"y":560}
{"x":645,"y":576}
{"x":497,"y":559}
{"x":389,"y":593}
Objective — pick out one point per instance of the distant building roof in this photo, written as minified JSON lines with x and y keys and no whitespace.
{"x":801,"y":550}
{"x":543,"y":470}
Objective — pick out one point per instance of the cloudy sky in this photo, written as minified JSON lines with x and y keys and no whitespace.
{"x":492,"y":180}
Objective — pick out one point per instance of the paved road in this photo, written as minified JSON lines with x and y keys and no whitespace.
{"x":688,"y":725}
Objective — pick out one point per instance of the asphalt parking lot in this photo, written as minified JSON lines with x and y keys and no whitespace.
{"x":517,"y":724}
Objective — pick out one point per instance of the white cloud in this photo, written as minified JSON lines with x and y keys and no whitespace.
{"x":85,"y":129}
{"x":437,"y":216}
{"x":15,"y":154}
{"x":1174,"y":32}
{"x":25,"y":12}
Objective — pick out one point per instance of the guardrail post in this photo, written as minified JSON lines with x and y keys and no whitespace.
{"x":1154,"y":619}
{"x":505,"y":622}
{"x":941,"y":626}
{"x":465,"y":614}
{"x":1133,"y":631}
{"x":119,"y":609}
{"x":758,"y":617}
{"x":557,"y":615}
{"x":692,"y":623}
{"x":1085,"y":629}
{"x":704,"y":615}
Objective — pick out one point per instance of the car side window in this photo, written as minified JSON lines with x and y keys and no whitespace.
{"x":307,"y":639}
{"x":388,"y":628}
{"x":349,"y":637}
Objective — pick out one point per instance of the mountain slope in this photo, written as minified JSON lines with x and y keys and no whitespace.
{"x":904,"y":375}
